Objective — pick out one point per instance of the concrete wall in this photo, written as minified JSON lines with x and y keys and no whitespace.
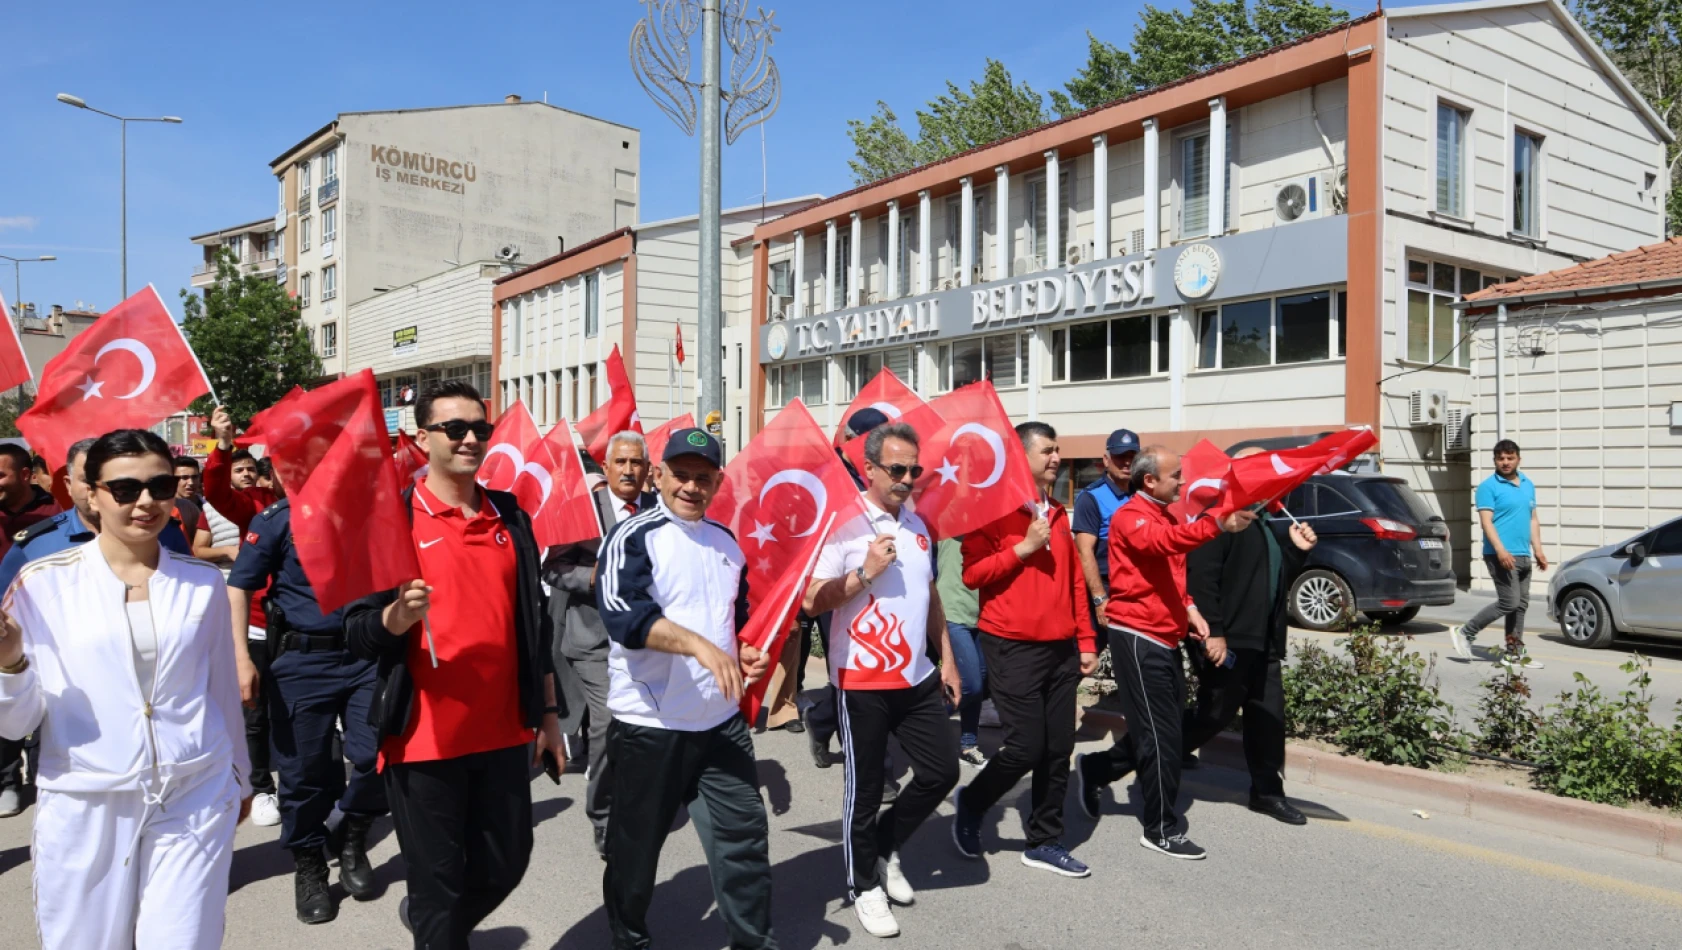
{"x":451,"y":314}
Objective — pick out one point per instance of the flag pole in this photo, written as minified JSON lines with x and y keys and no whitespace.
{"x":431,"y":648}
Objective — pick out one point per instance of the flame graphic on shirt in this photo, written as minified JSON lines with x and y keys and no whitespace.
{"x":882,"y":647}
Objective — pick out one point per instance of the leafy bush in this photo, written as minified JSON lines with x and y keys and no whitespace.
{"x":1317,"y":686}
{"x":1394,"y":713}
{"x":1505,"y":724}
{"x":1609,"y":750}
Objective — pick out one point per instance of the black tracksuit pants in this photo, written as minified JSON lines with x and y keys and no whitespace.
{"x":1033,"y":684}
{"x":917,"y":716}
{"x":1254,"y":685}
{"x":656,"y":771}
{"x":1152,"y":684}
{"x":464,"y":827}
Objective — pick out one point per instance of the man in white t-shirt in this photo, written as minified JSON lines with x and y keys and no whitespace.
{"x":877,"y":575}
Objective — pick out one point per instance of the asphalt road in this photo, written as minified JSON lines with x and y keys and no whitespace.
{"x":1361,"y":874}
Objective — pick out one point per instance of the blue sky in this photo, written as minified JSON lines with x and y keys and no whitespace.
{"x":250,"y":80}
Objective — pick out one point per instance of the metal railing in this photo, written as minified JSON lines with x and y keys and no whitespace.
{"x":327,"y":192}
{"x":303,"y":202}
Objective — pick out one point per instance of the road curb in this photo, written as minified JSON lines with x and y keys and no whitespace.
{"x":1587,"y":822}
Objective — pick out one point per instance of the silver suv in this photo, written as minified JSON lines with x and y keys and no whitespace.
{"x":1632,"y":587}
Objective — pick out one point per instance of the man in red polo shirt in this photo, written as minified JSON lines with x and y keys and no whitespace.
{"x":457,"y":737}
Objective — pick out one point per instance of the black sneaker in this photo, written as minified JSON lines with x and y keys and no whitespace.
{"x":819,"y":747}
{"x":1175,"y":846}
{"x":1091,"y":802}
{"x":966,"y":827}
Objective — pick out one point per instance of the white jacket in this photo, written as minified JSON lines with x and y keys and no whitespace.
{"x":101,"y":729}
{"x":652,"y":565}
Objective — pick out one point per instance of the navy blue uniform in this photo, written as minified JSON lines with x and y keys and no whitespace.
{"x":314,"y":682}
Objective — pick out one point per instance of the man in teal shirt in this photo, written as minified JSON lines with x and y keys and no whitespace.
{"x":1512,"y":543}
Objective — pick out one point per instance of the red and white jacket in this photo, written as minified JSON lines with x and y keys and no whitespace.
{"x":1148,"y":569}
{"x":1042,"y":598}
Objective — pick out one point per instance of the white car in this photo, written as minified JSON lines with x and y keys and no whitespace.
{"x":1632,"y":587}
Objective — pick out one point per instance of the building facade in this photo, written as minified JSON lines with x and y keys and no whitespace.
{"x":44,"y":337}
{"x":1582,"y":367}
{"x":1265,"y":249}
{"x":377,"y":200}
{"x":255,"y":247}
{"x":556,"y":322}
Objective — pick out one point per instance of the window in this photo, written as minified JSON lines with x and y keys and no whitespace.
{"x":843,"y":269}
{"x":329,"y":224}
{"x":329,"y":339}
{"x":999,"y":358}
{"x":304,"y":178}
{"x":590,"y":372}
{"x":592,"y":314}
{"x":1298,"y":328}
{"x":802,"y":381}
{"x":1120,"y":348}
{"x":1194,"y":185}
{"x":1527,"y":184}
{"x":1164,"y":327}
{"x":1342,"y":322}
{"x":907,"y":234}
{"x":517,"y":324}
{"x":978,"y":256}
{"x":860,"y":368}
{"x":304,"y":233}
{"x":1047,"y":257}
{"x":954,"y":232}
{"x":577,"y":408}
{"x":330,"y":166}
{"x":329,"y":282}
{"x":1433,"y":329}
{"x":1451,"y":159}
{"x":304,"y":290}
{"x":392,"y":390}
{"x":782,"y":279}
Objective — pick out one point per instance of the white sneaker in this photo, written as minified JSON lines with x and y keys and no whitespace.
{"x":1529,"y":662}
{"x":265,"y":810}
{"x":989,"y":714}
{"x":874,"y":914}
{"x":894,"y":882}
{"x":1462,"y":646}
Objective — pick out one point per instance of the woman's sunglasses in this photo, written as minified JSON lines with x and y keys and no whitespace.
{"x":126,"y":491}
{"x":456,"y":429}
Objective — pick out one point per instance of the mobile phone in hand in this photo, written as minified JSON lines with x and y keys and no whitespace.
{"x":551,"y":767}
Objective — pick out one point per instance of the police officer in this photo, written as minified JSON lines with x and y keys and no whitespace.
{"x":314,"y":682}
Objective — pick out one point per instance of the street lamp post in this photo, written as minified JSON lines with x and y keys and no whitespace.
{"x":660,"y":59}
{"x":17,"y":286}
{"x":77,"y":101}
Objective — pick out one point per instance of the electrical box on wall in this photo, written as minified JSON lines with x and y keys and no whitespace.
{"x":1676,"y":415}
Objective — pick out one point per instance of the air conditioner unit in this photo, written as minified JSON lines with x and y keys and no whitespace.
{"x":781,"y":306}
{"x":1077,"y":254}
{"x":946,"y":283}
{"x":1457,"y":431}
{"x":1427,"y":407}
{"x":1025,"y":265}
{"x":1302,"y":198}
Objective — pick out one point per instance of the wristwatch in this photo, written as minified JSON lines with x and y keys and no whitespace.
{"x":862,"y":578}
{"x":1098,"y":599}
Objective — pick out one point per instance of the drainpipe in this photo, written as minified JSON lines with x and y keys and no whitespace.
{"x":1500,"y":372}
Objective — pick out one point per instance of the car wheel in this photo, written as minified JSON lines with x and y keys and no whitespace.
{"x":1321,"y":600}
{"x":1584,"y":619}
{"x":1393,"y":618}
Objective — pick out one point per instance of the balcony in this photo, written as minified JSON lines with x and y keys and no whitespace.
{"x":327,"y":193}
{"x":304,"y":203}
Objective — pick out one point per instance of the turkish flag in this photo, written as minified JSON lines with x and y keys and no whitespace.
{"x":14,"y":367}
{"x":659,"y":437}
{"x":1205,"y":483}
{"x":253,"y":434}
{"x":768,"y":624}
{"x":617,"y":415}
{"x":548,"y":484}
{"x":1268,"y":476}
{"x":680,"y":344}
{"x":130,"y":370}
{"x":974,"y":469}
{"x":887,"y":394}
{"x":411,"y":460}
{"x":348,"y":519}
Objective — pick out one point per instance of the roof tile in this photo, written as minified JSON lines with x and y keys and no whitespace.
{"x":1661,"y":261}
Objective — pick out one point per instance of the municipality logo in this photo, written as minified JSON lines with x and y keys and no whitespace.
{"x":697,"y":438}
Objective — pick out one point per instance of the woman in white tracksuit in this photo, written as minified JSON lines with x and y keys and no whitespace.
{"x":120,"y":655}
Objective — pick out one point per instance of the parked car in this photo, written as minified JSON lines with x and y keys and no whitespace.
{"x":1632,"y":587}
{"x":1382,"y":552}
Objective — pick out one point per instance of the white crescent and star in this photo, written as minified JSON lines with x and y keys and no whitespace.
{"x":887,"y":409}
{"x":91,"y":387}
{"x":523,"y":467}
{"x":949,"y":472}
{"x":792,"y":476}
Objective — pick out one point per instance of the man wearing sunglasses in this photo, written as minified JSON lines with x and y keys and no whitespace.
{"x":460,"y":735}
{"x":877,"y":574}
{"x":309,"y":682}
{"x":1037,"y":641}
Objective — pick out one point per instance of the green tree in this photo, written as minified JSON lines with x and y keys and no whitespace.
{"x":1642,"y":38}
{"x":247,"y":333}
{"x":1172,"y":44}
{"x":993,"y":107}
{"x":14,"y":403}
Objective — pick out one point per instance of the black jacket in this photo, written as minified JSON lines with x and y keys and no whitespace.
{"x":366,"y":635}
{"x":1227,"y":578}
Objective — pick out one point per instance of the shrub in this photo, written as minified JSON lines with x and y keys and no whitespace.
{"x":1317,"y":686}
{"x":1394,"y":714}
{"x":1609,"y":750}
{"x":1505,"y":724}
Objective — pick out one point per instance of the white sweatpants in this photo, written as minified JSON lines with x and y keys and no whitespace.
{"x":172,"y":892}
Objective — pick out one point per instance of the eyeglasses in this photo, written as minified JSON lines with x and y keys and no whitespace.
{"x":898,"y":472}
{"x":126,"y":491}
{"x":456,"y":429}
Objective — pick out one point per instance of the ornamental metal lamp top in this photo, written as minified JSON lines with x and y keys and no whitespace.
{"x":660,"y":58}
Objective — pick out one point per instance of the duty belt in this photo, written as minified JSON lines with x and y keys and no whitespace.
{"x":312,"y":643}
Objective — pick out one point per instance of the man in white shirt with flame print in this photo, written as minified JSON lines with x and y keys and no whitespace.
{"x":877,"y":575}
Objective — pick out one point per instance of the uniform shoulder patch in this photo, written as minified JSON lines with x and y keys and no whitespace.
{"x":18,"y":538}
{"x":274,"y":507}
{"x":37,"y":529}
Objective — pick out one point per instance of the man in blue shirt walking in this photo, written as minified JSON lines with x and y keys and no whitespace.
{"x":1094,"y":507}
{"x":1512,"y":543}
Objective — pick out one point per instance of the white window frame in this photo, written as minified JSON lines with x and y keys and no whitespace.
{"x":592,"y":304}
{"x":1196,"y":343}
{"x":329,"y":224}
{"x":304,"y":228}
{"x":304,"y":290}
{"x":907,"y":233}
{"x":517,"y":325}
{"x":1177,"y":171}
{"x":329,"y":282}
{"x":1405,"y":286}
{"x":951,"y":236}
{"x":329,"y":166}
{"x":1158,"y":345}
{"x":943,"y":366}
{"x":843,"y":276}
{"x":1467,"y":161}
{"x":1537,"y":231}
{"x":304,"y":178}
{"x":330,"y":339}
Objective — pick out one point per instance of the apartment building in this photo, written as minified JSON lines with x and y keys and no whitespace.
{"x":255,"y":247}
{"x":555,"y":322}
{"x":45,"y":336}
{"x":1270,"y":248}
{"x":377,"y":200}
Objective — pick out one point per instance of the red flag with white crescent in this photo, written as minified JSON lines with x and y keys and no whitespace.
{"x":1205,"y":483}
{"x":768,"y":624}
{"x":659,"y":437}
{"x":548,"y":484}
{"x":1268,"y":476}
{"x":131,"y":370}
{"x":618,"y":414}
{"x":410,"y":458}
{"x":891,"y":397}
{"x":974,"y":468}
{"x":14,"y":366}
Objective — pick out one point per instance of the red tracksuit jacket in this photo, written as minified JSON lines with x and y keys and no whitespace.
{"x":1042,"y":598}
{"x":1148,"y":569}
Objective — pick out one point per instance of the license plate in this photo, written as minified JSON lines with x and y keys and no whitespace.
{"x":1431,"y":544}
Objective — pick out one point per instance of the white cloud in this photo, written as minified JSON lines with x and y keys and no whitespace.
{"x":19,"y":222}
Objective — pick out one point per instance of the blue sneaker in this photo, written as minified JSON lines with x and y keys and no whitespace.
{"x":966,"y":827}
{"x":1055,"y":858}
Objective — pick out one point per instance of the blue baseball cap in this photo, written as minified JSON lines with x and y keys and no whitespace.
{"x":1121,"y":442}
{"x":694,"y":442}
{"x":866,"y":419}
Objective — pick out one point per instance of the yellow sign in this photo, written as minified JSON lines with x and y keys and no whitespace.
{"x":203,"y":445}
